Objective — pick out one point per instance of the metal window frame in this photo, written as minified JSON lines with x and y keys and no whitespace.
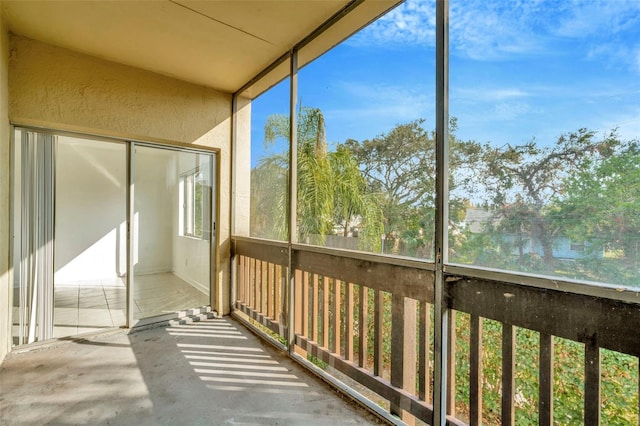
{"x":441,"y":265}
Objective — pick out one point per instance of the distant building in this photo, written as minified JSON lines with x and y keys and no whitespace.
{"x":476,"y":221}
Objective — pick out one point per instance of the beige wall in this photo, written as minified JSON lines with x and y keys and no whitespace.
{"x":242,"y":167}
{"x":5,"y":301}
{"x":57,"y":88}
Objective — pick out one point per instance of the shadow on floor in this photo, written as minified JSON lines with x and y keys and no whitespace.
{"x":209,"y":373}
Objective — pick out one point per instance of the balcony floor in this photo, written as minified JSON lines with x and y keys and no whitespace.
{"x":211,"y":372}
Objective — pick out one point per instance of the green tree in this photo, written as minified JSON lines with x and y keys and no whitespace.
{"x":399,"y":167}
{"x":352,"y":204}
{"x":519,"y":183}
{"x":269,"y":180}
{"x":330,"y":187}
{"x":601,"y":207}
{"x":314,"y":194}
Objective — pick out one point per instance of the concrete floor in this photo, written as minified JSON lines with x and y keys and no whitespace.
{"x":213,"y":372}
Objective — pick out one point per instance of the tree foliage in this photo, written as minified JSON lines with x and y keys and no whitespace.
{"x":330,"y":187}
{"x":519,"y":182}
{"x":399,"y":167}
{"x":602,"y":202}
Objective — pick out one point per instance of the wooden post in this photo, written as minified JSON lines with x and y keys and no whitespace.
{"x":403,"y":350}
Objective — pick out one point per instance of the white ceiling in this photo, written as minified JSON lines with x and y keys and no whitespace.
{"x":220,"y":44}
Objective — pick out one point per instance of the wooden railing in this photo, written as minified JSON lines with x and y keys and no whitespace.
{"x":369,"y":317}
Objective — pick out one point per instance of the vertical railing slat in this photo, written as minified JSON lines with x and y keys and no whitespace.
{"x":277,"y":296}
{"x":325,"y":311}
{"x":271,"y":281}
{"x":451,"y":365}
{"x":264,"y":287}
{"x":424,"y":386}
{"x":314,"y":308}
{"x":246,"y":279}
{"x":348,"y":322}
{"x":258,"y":285}
{"x":397,"y":345}
{"x":335,"y":308}
{"x":591,"y":384}
{"x":240,"y":281}
{"x":475,"y":371}
{"x":305,"y":304}
{"x":363,"y":330}
{"x":378,"y":350}
{"x":283,"y":302}
{"x":298,"y":302}
{"x":545,"y":398}
{"x":508,"y":365}
{"x":252,"y":283}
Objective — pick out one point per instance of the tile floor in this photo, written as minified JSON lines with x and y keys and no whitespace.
{"x":88,"y":306}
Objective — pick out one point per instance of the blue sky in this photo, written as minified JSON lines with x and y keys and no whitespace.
{"x":519,"y":69}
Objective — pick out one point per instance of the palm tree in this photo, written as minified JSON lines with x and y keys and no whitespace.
{"x":330,"y":187}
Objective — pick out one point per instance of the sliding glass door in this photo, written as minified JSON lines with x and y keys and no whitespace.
{"x":72,"y":200}
{"x":172,"y":222}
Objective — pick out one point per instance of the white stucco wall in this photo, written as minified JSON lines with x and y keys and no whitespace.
{"x":155,"y":182}
{"x":57,"y":88}
{"x":5,"y":300}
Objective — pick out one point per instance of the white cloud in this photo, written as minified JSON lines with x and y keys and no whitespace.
{"x":379,"y":106}
{"x":490,"y":30}
{"x":413,"y":22}
{"x":501,"y":29}
{"x":627,"y":125}
{"x":509,"y":110}
{"x":580,"y":18}
{"x":616,"y":55}
{"x":488,"y":94}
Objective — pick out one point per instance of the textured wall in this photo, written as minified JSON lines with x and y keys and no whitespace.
{"x":5,"y":326}
{"x":242,"y":168}
{"x":61,"y":89}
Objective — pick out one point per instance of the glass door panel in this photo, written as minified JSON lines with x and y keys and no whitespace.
{"x":171,"y":247}
{"x":90,"y":263}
